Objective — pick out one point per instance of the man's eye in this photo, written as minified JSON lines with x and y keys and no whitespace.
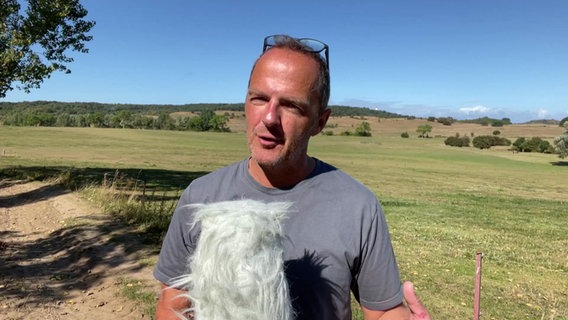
{"x":295,"y":108}
{"x":257,"y":100}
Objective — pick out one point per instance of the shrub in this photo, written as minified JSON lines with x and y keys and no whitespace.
{"x":447,"y":121}
{"x":363,"y":130}
{"x":482,"y":142}
{"x":486,"y":142}
{"x":457,"y":141}
{"x":327,"y":133}
{"x":404,"y":135}
{"x":496,"y":132}
{"x":518,"y":143}
{"x":536,"y":144}
{"x":497,"y":123}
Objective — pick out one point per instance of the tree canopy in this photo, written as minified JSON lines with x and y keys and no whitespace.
{"x":561,"y":143}
{"x":35,"y":41}
{"x":423,"y":130}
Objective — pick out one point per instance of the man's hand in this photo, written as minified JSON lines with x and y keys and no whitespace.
{"x":170,"y":304}
{"x":417,"y":309}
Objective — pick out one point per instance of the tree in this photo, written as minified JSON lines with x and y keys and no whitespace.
{"x":208,"y":120}
{"x":35,"y":45}
{"x":219,"y":123}
{"x":561,"y":143}
{"x":122,"y":119}
{"x":423,"y":130}
{"x":164,"y":121}
{"x":96,"y":120}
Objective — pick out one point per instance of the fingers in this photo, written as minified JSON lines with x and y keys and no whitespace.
{"x":416,"y":307}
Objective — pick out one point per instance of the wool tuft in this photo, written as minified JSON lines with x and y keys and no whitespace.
{"x":237,"y":269}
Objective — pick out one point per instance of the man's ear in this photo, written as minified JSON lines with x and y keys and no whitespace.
{"x":322,"y":120}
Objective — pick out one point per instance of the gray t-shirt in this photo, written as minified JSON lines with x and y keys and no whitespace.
{"x":337,"y":239}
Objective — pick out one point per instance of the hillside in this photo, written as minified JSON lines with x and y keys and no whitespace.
{"x":344,"y":118}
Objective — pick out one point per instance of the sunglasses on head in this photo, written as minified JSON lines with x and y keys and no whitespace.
{"x":310,"y":44}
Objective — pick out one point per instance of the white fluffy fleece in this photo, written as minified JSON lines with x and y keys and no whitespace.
{"x":237,"y":270}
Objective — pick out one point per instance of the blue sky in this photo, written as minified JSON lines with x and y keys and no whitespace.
{"x":462,"y":58}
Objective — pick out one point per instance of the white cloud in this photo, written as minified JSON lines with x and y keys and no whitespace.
{"x":542,"y":113}
{"x":475,"y":109}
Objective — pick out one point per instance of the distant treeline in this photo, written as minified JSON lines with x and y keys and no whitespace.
{"x":103,"y":115}
{"x":346,"y":111}
{"x":485,"y":121}
{"x":88,"y":114}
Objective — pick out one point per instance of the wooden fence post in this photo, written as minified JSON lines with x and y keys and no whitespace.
{"x":477,"y":297}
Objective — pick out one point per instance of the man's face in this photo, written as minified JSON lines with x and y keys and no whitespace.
{"x":281,"y":109}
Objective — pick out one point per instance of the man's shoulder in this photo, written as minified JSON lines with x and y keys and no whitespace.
{"x":217,"y":185}
{"x":336,"y":180}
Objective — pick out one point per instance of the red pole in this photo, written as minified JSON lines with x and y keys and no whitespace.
{"x":477,"y":297}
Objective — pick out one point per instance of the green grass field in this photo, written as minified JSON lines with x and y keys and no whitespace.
{"x":443,"y":204}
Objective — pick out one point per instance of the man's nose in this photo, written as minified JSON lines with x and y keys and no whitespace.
{"x":272,"y":114}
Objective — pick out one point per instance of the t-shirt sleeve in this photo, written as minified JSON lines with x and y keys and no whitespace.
{"x":379,"y":280}
{"x":178,"y":245}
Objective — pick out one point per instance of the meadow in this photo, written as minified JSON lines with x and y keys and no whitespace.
{"x":443,"y":204}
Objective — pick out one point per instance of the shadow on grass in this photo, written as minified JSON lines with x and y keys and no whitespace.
{"x":151,"y":212}
{"x":44,"y":269}
{"x":560,"y":163}
{"x":75,"y":178}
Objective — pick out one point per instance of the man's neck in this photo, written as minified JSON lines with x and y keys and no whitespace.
{"x":281,"y":177}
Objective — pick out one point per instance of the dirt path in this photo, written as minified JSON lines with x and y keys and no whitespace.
{"x":61,"y":258}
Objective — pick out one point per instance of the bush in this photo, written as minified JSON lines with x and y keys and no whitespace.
{"x":518,"y":143}
{"x":482,"y":142}
{"x":486,"y":142}
{"x":536,"y":144}
{"x":447,"y":121}
{"x":457,"y":141}
{"x":327,"y":133}
{"x":496,"y":132}
{"x":497,"y":123}
{"x":363,"y":130}
{"x":404,"y":135}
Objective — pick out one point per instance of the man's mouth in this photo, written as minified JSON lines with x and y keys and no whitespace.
{"x":269,"y":141}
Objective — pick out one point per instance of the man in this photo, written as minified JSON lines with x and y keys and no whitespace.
{"x":337,"y":235}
